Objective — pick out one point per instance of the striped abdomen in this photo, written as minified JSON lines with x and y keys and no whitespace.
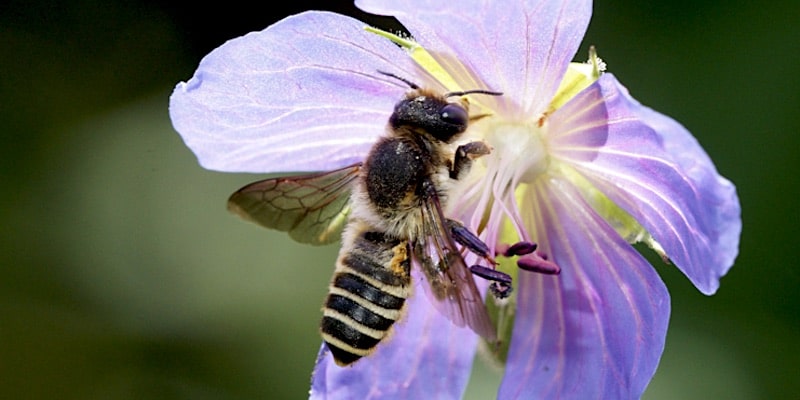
{"x":366,"y":295}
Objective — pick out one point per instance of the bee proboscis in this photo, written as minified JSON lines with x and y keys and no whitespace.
{"x":389,"y":210}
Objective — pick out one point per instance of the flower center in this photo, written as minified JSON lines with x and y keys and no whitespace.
{"x":519,"y":147}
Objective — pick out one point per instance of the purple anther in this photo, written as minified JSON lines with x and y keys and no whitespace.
{"x":536,"y":263}
{"x":520,"y":249}
{"x":490,"y":274}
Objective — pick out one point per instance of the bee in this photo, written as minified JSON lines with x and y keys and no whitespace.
{"x":389,"y":212}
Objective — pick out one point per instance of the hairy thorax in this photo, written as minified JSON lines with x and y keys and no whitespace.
{"x":389,"y":195}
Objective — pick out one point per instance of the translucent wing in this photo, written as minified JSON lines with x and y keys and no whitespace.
{"x":450,"y":283}
{"x":311,"y":208}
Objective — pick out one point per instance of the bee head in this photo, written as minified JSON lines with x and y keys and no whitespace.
{"x":432,"y":114}
{"x":426,"y":111}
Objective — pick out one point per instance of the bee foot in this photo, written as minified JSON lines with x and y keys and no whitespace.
{"x":465,"y":154}
{"x":473,"y":150}
{"x":500,"y":290}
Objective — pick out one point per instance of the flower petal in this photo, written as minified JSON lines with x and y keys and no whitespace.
{"x":597,"y":330}
{"x":426,"y":357}
{"x":302,"y":95}
{"x":723,"y":218}
{"x":650,"y":166}
{"x":519,"y":48}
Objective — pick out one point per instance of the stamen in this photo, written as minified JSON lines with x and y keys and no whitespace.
{"x":536,"y":262}
{"x":520,"y":249}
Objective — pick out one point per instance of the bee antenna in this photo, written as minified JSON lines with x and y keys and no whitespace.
{"x":401,"y":79}
{"x":414,"y":86}
{"x":474,"y":91}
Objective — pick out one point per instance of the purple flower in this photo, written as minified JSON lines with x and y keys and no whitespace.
{"x":578,"y":166}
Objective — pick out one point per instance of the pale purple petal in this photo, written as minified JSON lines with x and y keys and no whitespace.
{"x":426,"y":357}
{"x":723,"y":220}
{"x":519,"y":48}
{"x":654,"y":169}
{"x":304,"y":94}
{"x":597,"y":330}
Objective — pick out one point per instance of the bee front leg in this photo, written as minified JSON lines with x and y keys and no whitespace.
{"x":465,"y":154}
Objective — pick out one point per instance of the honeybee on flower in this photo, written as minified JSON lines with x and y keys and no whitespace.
{"x":577,"y":166}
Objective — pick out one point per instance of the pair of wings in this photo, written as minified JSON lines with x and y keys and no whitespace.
{"x":314,"y":209}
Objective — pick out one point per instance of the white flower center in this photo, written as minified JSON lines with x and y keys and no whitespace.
{"x":518,"y":147}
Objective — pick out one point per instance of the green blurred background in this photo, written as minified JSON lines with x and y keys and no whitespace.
{"x":123,"y":277}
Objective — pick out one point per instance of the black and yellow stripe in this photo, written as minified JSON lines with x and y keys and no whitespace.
{"x":366,"y":296}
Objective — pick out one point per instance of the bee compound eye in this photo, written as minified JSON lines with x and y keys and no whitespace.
{"x":454,"y":114}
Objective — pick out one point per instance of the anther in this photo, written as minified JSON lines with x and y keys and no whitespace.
{"x":520,"y":249}
{"x":538,"y":263}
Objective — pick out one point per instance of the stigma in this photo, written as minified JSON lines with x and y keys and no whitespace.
{"x":520,"y":152}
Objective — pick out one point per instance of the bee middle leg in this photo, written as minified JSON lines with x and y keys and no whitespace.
{"x":465,"y":154}
{"x":463,"y":236}
{"x":501,"y":282}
